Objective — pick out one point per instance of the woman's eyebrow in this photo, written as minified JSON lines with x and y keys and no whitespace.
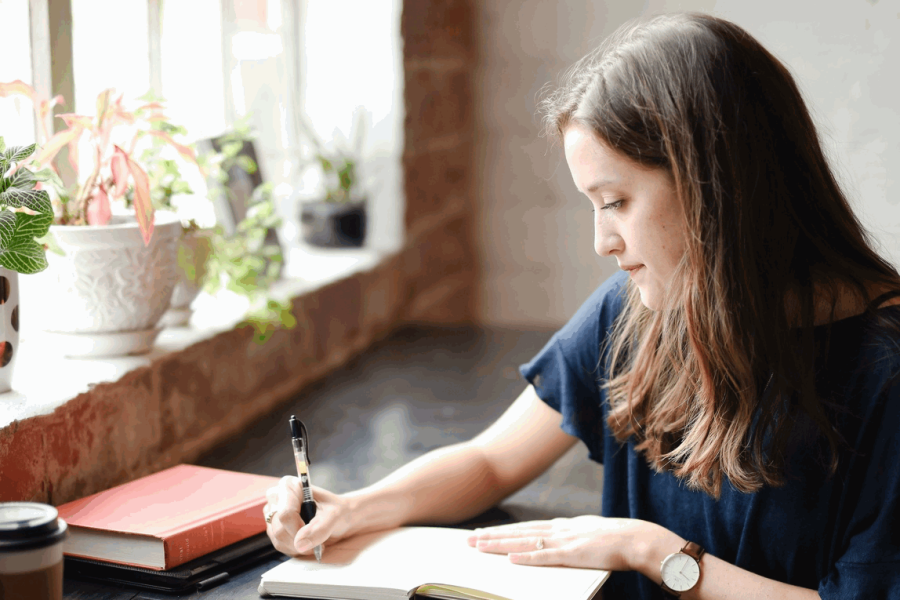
{"x":602,"y":183}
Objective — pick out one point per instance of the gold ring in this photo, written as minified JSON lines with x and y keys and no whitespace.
{"x":269,"y":516}
{"x":540,"y":543}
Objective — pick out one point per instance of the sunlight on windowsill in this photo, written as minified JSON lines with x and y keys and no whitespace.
{"x":44,"y":379}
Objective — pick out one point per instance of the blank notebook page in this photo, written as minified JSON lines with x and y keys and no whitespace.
{"x":405,"y":558}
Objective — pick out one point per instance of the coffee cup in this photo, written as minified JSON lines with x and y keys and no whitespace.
{"x":31,"y":551}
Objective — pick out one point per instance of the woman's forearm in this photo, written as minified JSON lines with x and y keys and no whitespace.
{"x":719,"y":579}
{"x":447,"y":485}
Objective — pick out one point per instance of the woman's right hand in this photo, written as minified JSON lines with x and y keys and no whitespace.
{"x":286,"y":529}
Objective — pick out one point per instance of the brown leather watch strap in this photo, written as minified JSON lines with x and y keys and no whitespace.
{"x":669,"y":590}
{"x":693,"y":550}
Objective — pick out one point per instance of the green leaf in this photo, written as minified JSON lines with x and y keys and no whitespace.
{"x":33,"y":226}
{"x":246,"y":164}
{"x":25,"y":256}
{"x":19,"y":153}
{"x":52,"y":245}
{"x":17,"y":233}
{"x":2,"y":144}
{"x":7,"y":228}
{"x":23,"y":179}
{"x":327,"y":167}
{"x":49,"y":175}
{"x":36,"y":200}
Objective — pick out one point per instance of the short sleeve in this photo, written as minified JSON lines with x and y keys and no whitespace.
{"x":567,"y":372}
{"x":869,"y":565}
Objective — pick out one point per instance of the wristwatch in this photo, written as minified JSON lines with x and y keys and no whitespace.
{"x":681,"y":571}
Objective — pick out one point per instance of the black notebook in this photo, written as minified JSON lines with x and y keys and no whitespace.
{"x":199,"y":574}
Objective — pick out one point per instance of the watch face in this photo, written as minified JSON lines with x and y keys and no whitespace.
{"x":680,"y":572}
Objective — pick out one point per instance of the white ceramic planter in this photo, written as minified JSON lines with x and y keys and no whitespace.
{"x":9,"y":326}
{"x":193,"y":251}
{"x":112,"y":289}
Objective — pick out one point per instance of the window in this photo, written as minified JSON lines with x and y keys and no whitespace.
{"x":109,"y":50}
{"x":217,"y":60}
{"x":16,"y":113}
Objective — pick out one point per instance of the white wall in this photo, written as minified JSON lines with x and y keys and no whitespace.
{"x":536,"y":231}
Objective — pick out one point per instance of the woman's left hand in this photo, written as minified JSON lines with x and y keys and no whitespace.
{"x":587,"y":541}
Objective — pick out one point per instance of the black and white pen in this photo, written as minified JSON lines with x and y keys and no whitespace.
{"x":300,"y":442}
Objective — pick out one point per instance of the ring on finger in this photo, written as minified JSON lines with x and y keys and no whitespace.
{"x":540,"y":543}
{"x":269,"y":515}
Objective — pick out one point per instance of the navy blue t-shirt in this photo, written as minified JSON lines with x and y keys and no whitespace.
{"x":839,"y":534}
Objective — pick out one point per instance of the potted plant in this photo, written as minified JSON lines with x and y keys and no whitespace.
{"x":25,"y":214}
{"x":166,"y":183}
{"x":337,"y":217}
{"x":117,"y":270}
{"x":241,"y":253}
{"x":246,"y":257}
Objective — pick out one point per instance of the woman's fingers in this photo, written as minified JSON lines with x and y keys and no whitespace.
{"x":285,"y":525}
{"x":545,"y":557}
{"x":512,"y":545}
{"x":289,"y":534}
{"x":520,"y":527}
{"x":519,"y":530}
{"x":310,"y":536}
{"x":282,"y":511}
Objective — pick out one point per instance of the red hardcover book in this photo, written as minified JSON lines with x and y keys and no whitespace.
{"x":168,"y":518}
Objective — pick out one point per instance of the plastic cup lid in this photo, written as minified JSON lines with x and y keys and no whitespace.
{"x":29,"y":524}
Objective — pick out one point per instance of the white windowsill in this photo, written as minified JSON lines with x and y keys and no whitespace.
{"x":43,"y":379}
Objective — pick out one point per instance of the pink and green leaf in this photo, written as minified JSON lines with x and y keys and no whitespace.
{"x":98,"y":210}
{"x":143,"y":207}
{"x":102,"y":105}
{"x":119,"y":167}
{"x":73,"y":120}
{"x":185,"y":151}
{"x":46,"y":108}
{"x":56,"y":143}
{"x":17,"y":87}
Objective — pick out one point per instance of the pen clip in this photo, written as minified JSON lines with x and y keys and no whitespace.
{"x":297,"y":426}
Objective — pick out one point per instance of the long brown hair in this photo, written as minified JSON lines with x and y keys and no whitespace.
{"x":766,"y":221}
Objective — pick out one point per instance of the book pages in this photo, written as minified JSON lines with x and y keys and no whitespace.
{"x":389,"y":565}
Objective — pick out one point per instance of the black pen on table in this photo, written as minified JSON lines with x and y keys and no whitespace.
{"x":300,"y":443}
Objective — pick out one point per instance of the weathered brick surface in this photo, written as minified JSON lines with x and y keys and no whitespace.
{"x":433,"y":178}
{"x":438,"y":105}
{"x":94,"y":440}
{"x":444,"y":252}
{"x":438,"y":28}
{"x":187,"y":402}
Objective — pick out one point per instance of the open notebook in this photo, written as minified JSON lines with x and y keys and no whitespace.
{"x":428,"y":561}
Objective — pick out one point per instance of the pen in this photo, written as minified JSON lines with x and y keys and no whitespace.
{"x":300,"y":443}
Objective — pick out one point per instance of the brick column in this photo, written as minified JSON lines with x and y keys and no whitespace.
{"x":439,"y":59}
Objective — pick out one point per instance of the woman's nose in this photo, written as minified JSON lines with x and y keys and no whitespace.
{"x":606,"y":241}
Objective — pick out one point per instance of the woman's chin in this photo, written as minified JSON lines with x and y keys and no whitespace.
{"x":648,"y":299}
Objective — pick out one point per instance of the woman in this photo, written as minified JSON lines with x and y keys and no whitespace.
{"x":740,"y":380}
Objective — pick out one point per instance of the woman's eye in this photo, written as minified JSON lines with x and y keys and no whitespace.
{"x":612,"y":205}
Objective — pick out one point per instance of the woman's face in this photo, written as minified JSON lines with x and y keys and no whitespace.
{"x":637,"y":218}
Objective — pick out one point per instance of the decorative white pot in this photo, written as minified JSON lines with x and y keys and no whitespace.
{"x":111,"y":288}
{"x":194,"y":249}
{"x":9,"y":326}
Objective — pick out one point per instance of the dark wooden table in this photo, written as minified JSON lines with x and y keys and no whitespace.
{"x":419,"y":390}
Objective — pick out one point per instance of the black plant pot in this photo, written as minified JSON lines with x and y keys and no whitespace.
{"x":332,"y":224}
